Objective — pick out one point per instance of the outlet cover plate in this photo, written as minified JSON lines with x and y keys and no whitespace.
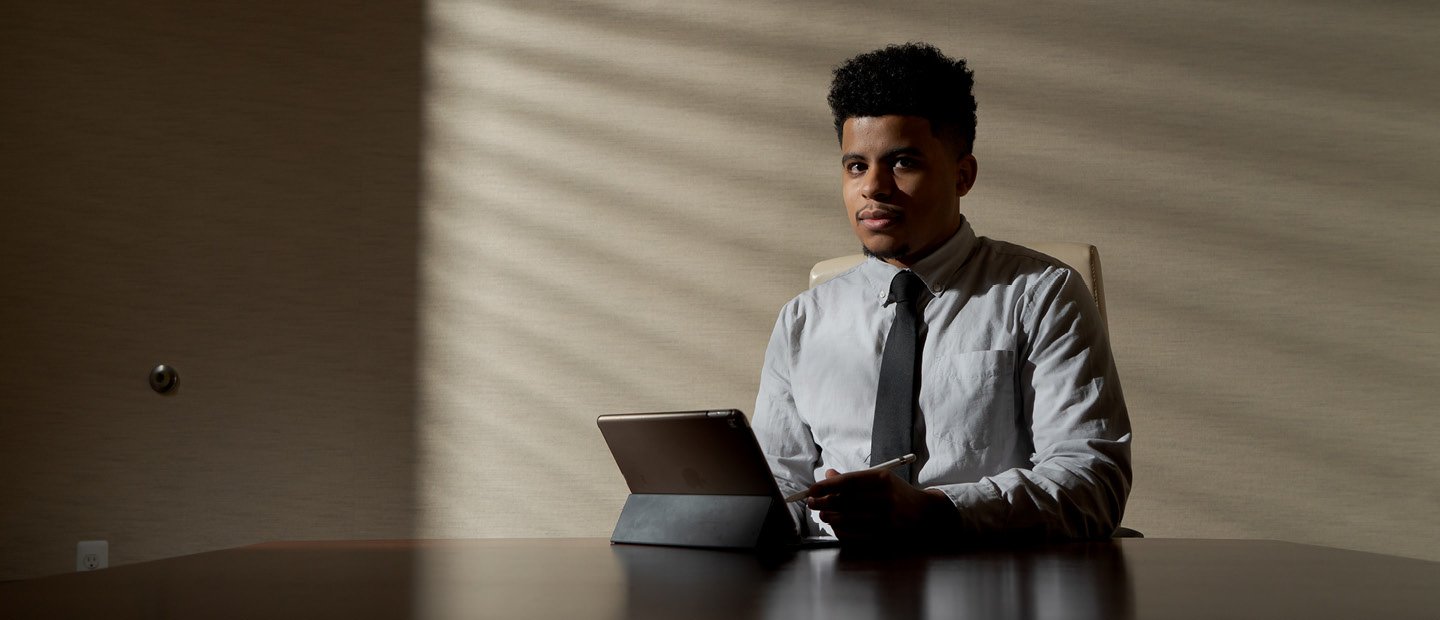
{"x":92,"y":555}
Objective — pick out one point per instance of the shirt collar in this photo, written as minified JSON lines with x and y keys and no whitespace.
{"x":938,"y":270}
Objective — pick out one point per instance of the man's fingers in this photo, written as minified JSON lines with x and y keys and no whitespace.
{"x":850,"y":520}
{"x":834,"y":481}
{"x":848,"y":498}
{"x":853,"y":528}
{"x":870,"y":505}
{"x":828,"y":501}
{"x":866,"y":483}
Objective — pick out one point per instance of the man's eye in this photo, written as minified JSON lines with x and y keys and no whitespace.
{"x":855,"y":167}
{"x":906,"y":162}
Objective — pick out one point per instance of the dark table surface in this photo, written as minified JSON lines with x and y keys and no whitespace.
{"x":589,"y":578}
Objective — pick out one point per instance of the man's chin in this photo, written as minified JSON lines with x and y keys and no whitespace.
{"x":886,"y":253}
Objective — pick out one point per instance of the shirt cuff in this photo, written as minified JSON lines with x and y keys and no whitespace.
{"x":979,"y":505}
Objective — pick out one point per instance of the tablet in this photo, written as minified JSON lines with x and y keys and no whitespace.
{"x":698,"y":479}
{"x":710,"y":452}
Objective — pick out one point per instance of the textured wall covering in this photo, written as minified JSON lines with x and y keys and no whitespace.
{"x":621,"y":194}
{"x":403,"y":255}
{"x":230,"y":190}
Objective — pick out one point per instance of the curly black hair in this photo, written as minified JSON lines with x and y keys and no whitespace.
{"x":914,"y":79}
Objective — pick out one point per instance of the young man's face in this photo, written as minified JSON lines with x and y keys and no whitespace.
{"x":902,"y":186}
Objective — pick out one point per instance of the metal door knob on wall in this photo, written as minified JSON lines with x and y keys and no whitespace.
{"x":164,"y":379}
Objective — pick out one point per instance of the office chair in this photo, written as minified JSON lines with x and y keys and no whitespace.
{"x":1082,"y":257}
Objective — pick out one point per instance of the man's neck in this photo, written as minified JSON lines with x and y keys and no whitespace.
{"x":909,"y":260}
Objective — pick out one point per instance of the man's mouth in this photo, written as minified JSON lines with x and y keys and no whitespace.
{"x":876,"y":219}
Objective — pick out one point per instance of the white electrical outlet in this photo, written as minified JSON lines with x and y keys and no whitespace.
{"x":92,"y":555}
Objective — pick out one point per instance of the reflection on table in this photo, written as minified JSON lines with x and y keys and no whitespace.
{"x":1072,"y":581}
{"x":589,"y":578}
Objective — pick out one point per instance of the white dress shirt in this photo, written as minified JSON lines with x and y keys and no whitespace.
{"x":1020,"y":418}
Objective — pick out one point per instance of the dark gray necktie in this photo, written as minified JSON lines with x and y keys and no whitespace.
{"x":899,"y":376}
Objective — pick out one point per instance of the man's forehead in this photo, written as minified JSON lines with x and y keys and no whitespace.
{"x":888,"y":132}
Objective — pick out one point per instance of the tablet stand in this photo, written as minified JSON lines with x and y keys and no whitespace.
{"x":718,"y":521}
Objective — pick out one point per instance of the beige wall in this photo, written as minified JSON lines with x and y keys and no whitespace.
{"x":620,"y":195}
{"x":231,"y":191}
{"x":383,"y":335}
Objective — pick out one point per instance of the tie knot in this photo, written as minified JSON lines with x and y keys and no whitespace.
{"x":906,"y":287}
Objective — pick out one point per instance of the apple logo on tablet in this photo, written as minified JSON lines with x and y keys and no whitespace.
{"x":693,"y":478}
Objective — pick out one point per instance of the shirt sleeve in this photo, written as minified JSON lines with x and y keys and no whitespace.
{"x":1080,"y":431}
{"x":784,"y":437}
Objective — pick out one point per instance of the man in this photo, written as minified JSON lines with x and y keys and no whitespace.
{"x":986,"y":360}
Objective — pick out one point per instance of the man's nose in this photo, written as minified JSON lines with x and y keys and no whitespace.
{"x":879,"y":183}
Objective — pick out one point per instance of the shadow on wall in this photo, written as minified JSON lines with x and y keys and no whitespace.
{"x":231,"y":191}
{"x":620,"y":196}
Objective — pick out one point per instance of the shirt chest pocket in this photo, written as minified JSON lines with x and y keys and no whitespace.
{"x":967,"y":401}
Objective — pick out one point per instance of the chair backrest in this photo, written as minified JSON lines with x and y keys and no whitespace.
{"x":1082,"y":257}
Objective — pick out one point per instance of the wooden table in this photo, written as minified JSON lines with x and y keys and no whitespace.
{"x":589,"y":578}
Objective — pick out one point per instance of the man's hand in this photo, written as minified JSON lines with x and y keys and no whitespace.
{"x":877,"y":506}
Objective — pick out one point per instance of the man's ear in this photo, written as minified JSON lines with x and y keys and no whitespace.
{"x":965,"y":170}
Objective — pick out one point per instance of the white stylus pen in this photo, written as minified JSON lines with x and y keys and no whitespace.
{"x":890,"y":464}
